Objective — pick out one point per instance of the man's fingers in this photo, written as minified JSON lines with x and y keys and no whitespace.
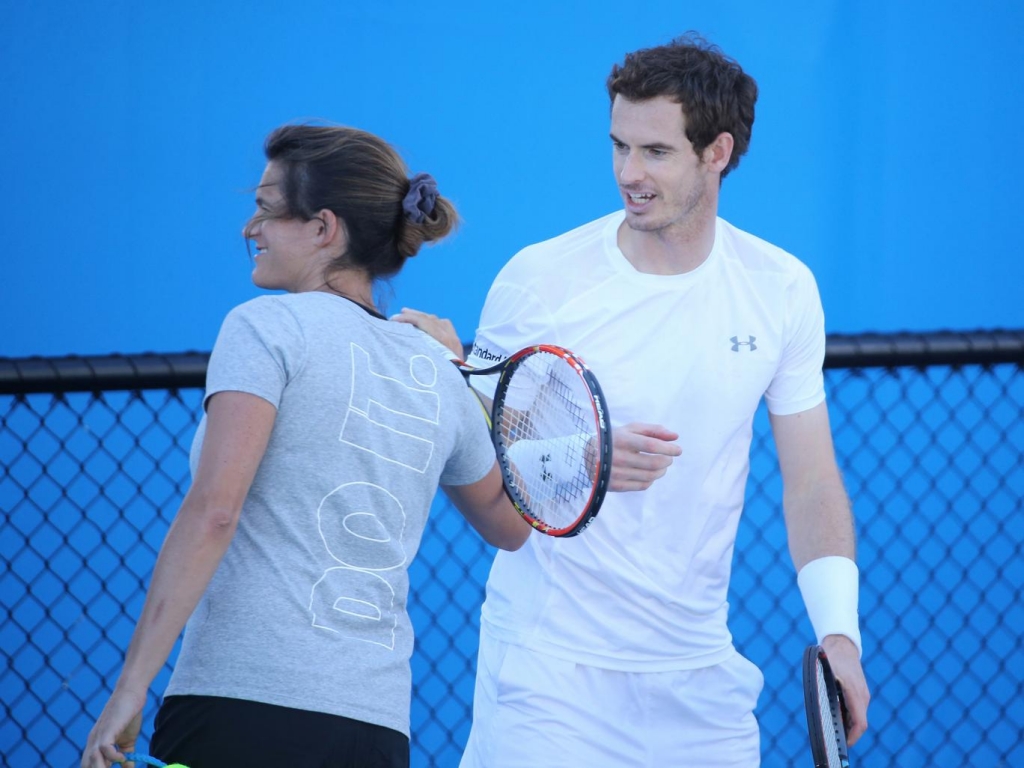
{"x":660,"y":447}
{"x":439,"y":327}
{"x":645,"y":438}
{"x":645,"y":445}
{"x":635,"y":479}
{"x":422,"y":319}
{"x":408,"y":315}
{"x":857,"y":729}
{"x":857,"y":713}
{"x":846,"y":666}
{"x":419,"y":319}
{"x":625,"y":485}
{"x":633,"y":444}
{"x":640,"y":461}
{"x":641,"y":453}
{"x":652,"y":430}
{"x":856,"y":700}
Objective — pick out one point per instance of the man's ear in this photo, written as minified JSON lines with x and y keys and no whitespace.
{"x":718,"y":153}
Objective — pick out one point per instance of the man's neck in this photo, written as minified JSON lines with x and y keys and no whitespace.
{"x":671,"y":251}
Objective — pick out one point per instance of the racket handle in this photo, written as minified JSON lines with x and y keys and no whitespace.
{"x":139,"y":758}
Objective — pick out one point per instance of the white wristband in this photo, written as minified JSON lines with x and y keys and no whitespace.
{"x":830,"y":588}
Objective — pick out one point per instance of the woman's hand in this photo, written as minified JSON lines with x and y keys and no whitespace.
{"x":116,"y":731}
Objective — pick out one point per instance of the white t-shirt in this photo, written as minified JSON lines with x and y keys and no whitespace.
{"x":644,"y":587}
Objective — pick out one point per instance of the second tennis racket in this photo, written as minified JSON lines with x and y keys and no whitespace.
{"x":823,"y":700}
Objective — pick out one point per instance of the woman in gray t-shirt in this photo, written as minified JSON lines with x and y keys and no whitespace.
{"x":327,"y":431}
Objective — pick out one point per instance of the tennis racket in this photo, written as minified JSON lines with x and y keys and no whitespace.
{"x":826,"y":712}
{"x":140,"y":759}
{"x":549,"y":423}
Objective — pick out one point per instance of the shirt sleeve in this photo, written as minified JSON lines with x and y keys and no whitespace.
{"x":798,"y":384}
{"x":473,"y":455}
{"x":513,"y":318}
{"x":259,"y":349}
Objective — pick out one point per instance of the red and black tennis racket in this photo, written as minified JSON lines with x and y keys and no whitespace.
{"x":826,"y":712}
{"x":549,"y":424}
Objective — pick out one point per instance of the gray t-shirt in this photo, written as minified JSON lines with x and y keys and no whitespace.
{"x":308,"y":607}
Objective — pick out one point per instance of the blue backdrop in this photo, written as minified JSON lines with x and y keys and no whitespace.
{"x":885,"y":151}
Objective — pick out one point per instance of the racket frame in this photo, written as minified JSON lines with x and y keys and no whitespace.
{"x":813,"y":656}
{"x":603,"y":448}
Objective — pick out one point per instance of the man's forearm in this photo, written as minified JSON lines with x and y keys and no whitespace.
{"x":819,"y":520}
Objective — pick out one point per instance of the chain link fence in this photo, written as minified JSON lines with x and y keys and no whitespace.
{"x":930,"y":434}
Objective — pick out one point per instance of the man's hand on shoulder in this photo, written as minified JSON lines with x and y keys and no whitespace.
{"x":439,"y":327}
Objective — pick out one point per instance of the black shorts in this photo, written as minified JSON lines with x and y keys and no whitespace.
{"x":215,"y":732}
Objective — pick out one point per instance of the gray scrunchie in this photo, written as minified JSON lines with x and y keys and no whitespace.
{"x":421,"y":198}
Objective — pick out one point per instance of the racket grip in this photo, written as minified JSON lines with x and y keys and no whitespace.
{"x":140,"y":759}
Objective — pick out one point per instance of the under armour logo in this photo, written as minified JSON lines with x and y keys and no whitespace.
{"x":736,"y":343}
{"x":544,"y":474}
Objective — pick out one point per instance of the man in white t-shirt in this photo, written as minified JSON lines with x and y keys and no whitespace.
{"x":611,"y":648}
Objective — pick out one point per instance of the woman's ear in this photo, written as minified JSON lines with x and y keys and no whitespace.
{"x":331,"y":231}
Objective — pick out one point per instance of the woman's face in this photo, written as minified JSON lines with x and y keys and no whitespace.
{"x":288,"y":253}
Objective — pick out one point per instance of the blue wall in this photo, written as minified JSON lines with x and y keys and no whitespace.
{"x":885,"y":152}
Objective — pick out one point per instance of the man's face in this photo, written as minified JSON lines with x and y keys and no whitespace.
{"x":661,"y":179}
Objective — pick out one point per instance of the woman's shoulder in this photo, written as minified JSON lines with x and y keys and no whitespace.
{"x":278,"y":305}
{"x":264,"y":304}
{"x":269,"y":316}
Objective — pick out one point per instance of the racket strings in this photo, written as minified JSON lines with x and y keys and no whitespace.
{"x":828,"y":720}
{"x":547,"y":426}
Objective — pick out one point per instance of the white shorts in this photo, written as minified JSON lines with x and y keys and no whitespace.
{"x":531,"y":710}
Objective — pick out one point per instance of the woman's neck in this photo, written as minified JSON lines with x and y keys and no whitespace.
{"x":351,"y":285}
